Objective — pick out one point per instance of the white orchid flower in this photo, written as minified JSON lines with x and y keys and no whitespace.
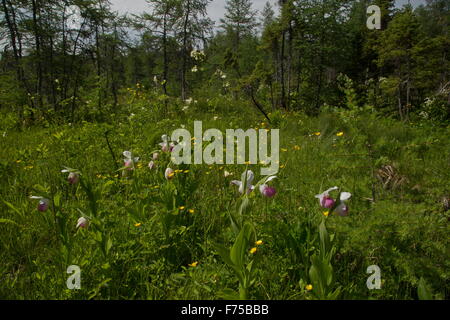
{"x":82,"y":222}
{"x":74,"y":175}
{"x":247,"y":178}
{"x":169,"y":173}
{"x":265,"y":189}
{"x":345,"y":196}
{"x":165,"y":145}
{"x":129,"y":160}
{"x":342,"y":208}
{"x":325,"y":200}
{"x":43,"y":203}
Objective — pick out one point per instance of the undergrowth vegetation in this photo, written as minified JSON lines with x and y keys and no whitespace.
{"x":190,"y":234}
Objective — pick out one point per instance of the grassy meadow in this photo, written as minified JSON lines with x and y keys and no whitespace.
{"x":194,"y":236}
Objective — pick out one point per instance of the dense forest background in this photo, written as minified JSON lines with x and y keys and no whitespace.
{"x":71,"y":60}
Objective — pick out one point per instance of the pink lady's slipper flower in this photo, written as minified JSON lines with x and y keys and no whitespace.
{"x":82,"y":222}
{"x":342,"y":208}
{"x":169,"y":174}
{"x":246,"y":182}
{"x":43,"y":203}
{"x":155,"y":156}
{"x":129,"y":161}
{"x":74,"y":175}
{"x":151,"y":165}
{"x":325,"y":200}
{"x":165,"y":145}
{"x":267,"y":191}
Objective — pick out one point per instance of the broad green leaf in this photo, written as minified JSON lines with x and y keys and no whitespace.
{"x":9,"y":222}
{"x":12,"y":207}
{"x":228,"y":294}
{"x":239,"y":249}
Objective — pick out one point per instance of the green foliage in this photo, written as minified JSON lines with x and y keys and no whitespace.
{"x":334,"y":89}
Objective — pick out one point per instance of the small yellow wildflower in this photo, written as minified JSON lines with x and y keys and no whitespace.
{"x":284,"y":150}
{"x":282,"y":166}
{"x":259,"y":242}
{"x":309,"y":287}
{"x":326,"y":213}
{"x":317,"y":133}
{"x":182,"y":208}
{"x":191,"y":210}
{"x":140,"y":165}
{"x":340,"y":134}
{"x":193,"y":264}
{"x":137,"y":225}
{"x":253,"y":250}
{"x":296,"y":147}
{"x":186,"y":171}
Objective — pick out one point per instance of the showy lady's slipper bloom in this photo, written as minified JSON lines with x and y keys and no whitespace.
{"x":82,"y":222}
{"x":169,"y":174}
{"x":129,"y":160}
{"x":342,"y":208}
{"x":165,"y":145}
{"x":246,"y":182}
{"x":266,"y":190}
{"x":155,"y":156}
{"x":74,"y":175}
{"x":151,"y":165}
{"x":325,"y":200}
{"x":43,"y":203}
{"x":73,"y":178}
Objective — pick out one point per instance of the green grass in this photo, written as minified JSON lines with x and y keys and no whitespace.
{"x":401,"y":228}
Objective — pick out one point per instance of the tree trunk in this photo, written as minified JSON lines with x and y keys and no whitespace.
{"x":283,"y":85}
{"x":185,"y":35}
{"x":37,"y":39}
